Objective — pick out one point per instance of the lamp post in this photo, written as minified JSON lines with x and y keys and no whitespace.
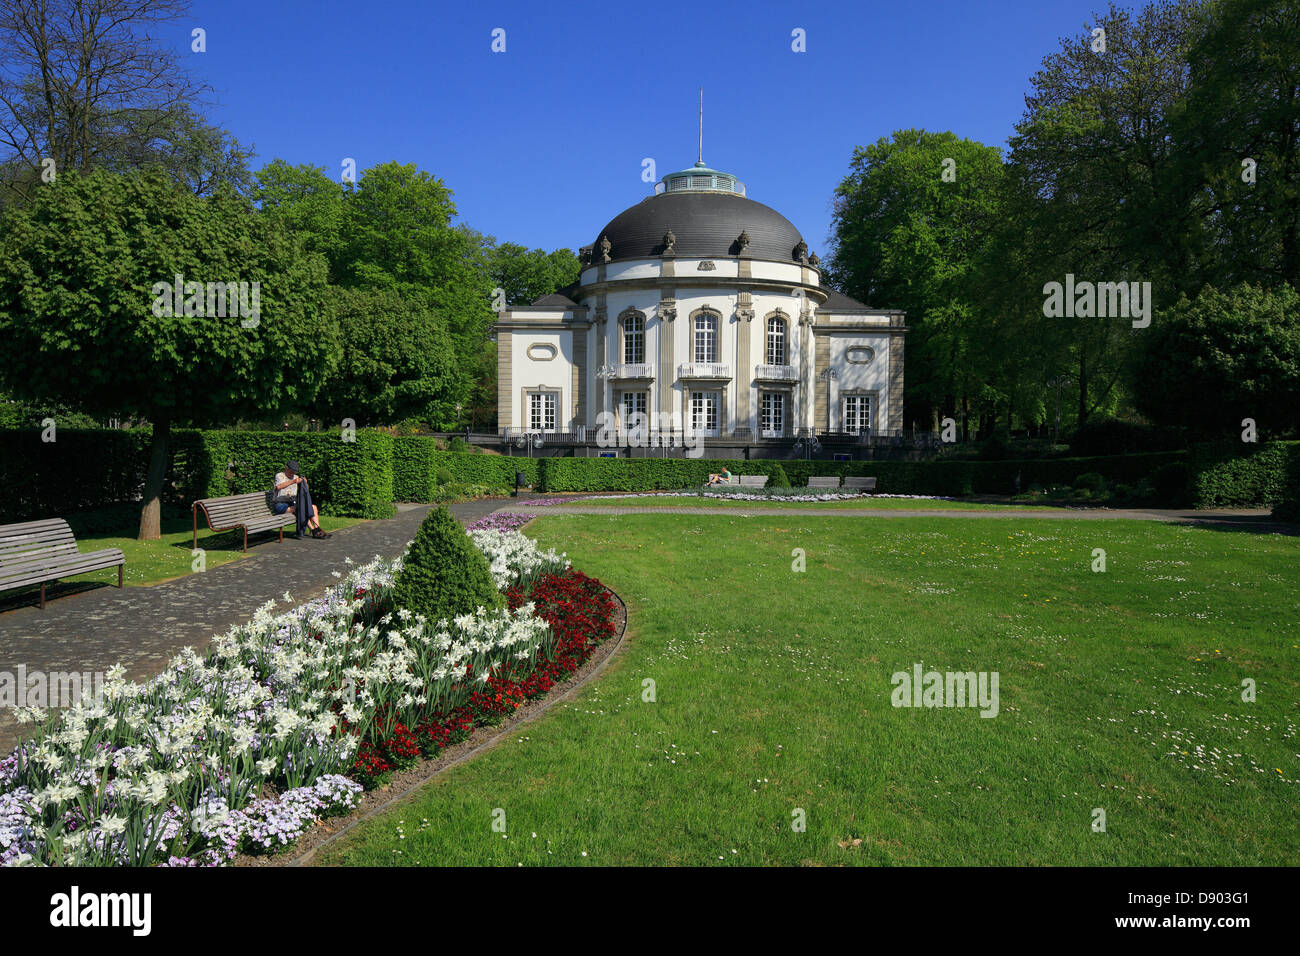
{"x":807,"y":441}
{"x":528,"y":441}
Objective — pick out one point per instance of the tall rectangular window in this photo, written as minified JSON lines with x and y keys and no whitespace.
{"x":706,"y":338}
{"x":543,"y":409}
{"x":771,"y":414}
{"x":634,"y":410}
{"x":776,"y":342}
{"x":634,"y":340}
{"x":857,"y":414}
{"x":704,"y":412}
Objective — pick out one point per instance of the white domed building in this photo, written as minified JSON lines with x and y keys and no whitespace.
{"x":700,"y":319}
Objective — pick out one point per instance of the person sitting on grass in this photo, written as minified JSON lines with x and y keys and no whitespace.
{"x":722,"y":479}
{"x":291,"y":491}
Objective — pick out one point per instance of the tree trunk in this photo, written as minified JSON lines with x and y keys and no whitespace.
{"x":150,"y":515}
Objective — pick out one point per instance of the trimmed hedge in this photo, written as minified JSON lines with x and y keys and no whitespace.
{"x":1241,"y":475}
{"x":1288,"y":506}
{"x":416,"y":463}
{"x":948,"y":478}
{"x":353,"y":478}
{"x":84,"y":469}
{"x":444,"y":574}
{"x":98,"y":468}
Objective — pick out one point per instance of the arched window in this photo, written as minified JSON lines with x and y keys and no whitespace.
{"x":776,"y":341}
{"x":706,"y":338}
{"x":634,"y":339}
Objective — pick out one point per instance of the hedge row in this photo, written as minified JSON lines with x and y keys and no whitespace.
{"x":77,"y":471}
{"x":416,"y":463}
{"x":88,"y":469}
{"x":895,"y":477}
{"x":95,"y":468}
{"x":1242,"y":475}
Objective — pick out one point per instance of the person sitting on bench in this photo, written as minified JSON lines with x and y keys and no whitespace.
{"x":291,"y":492}
{"x":721,"y":479}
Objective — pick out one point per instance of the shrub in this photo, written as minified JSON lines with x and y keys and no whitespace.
{"x":443,"y":476}
{"x":1226,"y":476}
{"x":778,"y":478}
{"x":1288,"y":505}
{"x":460,"y":446}
{"x":443,"y":574}
{"x":1091,"y":482}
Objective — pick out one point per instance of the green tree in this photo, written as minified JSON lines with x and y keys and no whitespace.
{"x":87,"y":316}
{"x":1237,"y":137}
{"x":309,"y":203}
{"x":396,"y":361}
{"x":525,"y":275}
{"x":1222,"y":357}
{"x":1090,"y":165}
{"x":910,"y":220}
{"x":395,"y":232}
{"x":89,"y":84}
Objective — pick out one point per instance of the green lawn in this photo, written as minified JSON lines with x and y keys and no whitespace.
{"x":1119,"y":690}
{"x":865,"y":502}
{"x":149,"y":562}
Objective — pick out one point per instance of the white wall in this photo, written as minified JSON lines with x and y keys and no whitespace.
{"x":853,"y":376}
{"x":526,"y":372}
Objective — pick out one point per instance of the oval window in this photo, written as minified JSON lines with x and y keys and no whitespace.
{"x":541,"y":352}
{"x":860,"y":355}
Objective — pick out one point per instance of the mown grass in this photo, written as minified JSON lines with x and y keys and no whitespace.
{"x":1119,"y":691}
{"x":865,"y":502}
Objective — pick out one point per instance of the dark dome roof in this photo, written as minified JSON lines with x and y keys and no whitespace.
{"x":706,"y":224}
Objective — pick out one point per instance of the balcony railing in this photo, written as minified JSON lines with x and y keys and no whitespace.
{"x":642,"y":370}
{"x":521,"y":436}
{"x":776,"y":373}
{"x":704,"y":370}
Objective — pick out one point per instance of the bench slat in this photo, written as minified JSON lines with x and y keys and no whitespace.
{"x":37,"y":575}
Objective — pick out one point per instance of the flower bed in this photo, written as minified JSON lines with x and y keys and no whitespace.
{"x":286,"y":718}
{"x":736,"y":493}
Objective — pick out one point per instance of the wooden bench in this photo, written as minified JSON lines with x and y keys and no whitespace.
{"x":823,"y":481}
{"x":753,"y":481}
{"x":252,"y":512}
{"x":860,"y":484}
{"x":40,"y":552}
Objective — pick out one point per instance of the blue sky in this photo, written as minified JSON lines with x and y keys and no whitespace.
{"x":543,"y":144}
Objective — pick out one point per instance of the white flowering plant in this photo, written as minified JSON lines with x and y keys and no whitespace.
{"x":173,"y":771}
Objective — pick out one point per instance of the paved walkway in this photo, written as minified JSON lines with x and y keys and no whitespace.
{"x":144,"y":627}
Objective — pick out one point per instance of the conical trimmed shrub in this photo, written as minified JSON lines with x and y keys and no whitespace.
{"x":444,"y":574}
{"x":778,"y":478}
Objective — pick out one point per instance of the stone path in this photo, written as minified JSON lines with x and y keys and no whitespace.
{"x":143,"y":627}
